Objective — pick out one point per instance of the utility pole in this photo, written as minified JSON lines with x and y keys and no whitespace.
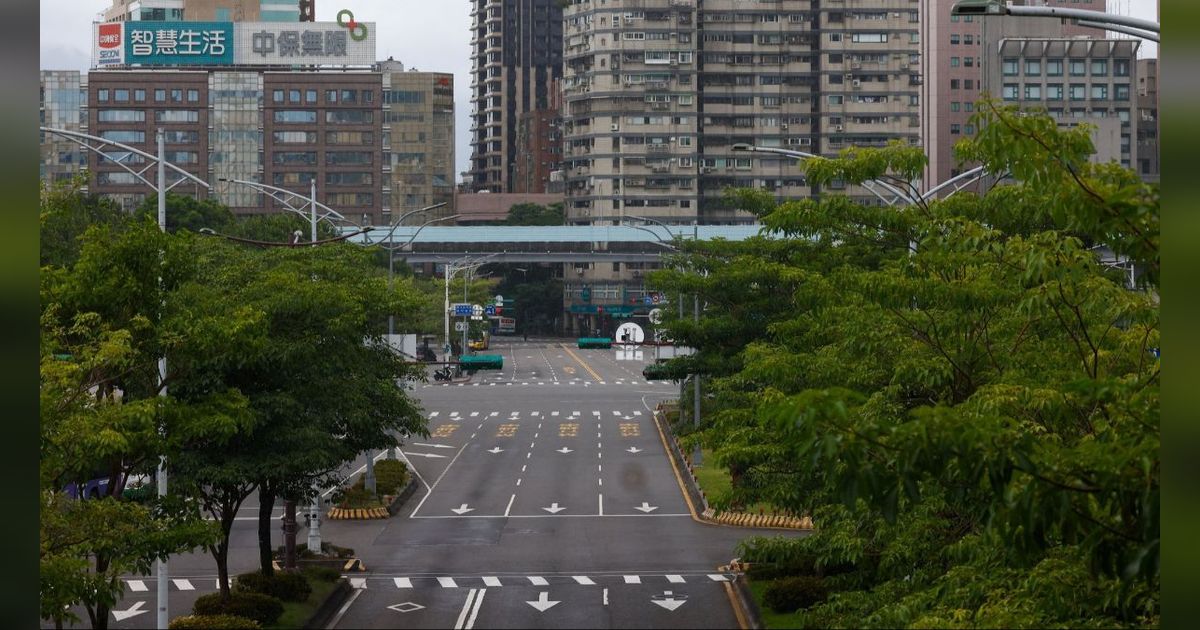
{"x":163,"y":573}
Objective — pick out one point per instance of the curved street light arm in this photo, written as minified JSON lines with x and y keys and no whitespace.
{"x":1098,"y":18}
{"x":804,"y":156}
{"x":394,"y":247}
{"x":83,"y":139}
{"x":278,"y":194}
{"x":960,"y":181}
{"x":401,"y":218}
{"x":658,"y":239}
{"x":1116,"y":28}
{"x":297,"y":243}
{"x":656,"y":221}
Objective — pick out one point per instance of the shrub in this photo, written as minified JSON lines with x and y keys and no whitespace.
{"x":390,"y":476}
{"x":322,"y":574}
{"x":791,"y":594}
{"x":262,"y":608}
{"x":212,"y":622}
{"x":328,"y":549}
{"x":289,"y":587}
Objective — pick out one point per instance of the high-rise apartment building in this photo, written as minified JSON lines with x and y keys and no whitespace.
{"x":539,"y":147}
{"x":658,"y":92}
{"x":207,"y":10}
{"x":62,"y":105}
{"x":516,"y":55}
{"x":418,"y":140}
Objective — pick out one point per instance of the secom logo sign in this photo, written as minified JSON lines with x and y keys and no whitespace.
{"x":110,"y":49}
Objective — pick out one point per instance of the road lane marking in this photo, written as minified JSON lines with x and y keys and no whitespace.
{"x":137,"y":586}
{"x":605,"y":597}
{"x":462,"y":616}
{"x":583,"y":580}
{"x":403,"y":582}
{"x":337,"y":618}
{"x":475,"y":610}
{"x":438,"y":480}
{"x":183,"y":585}
{"x":633,"y":579}
{"x":718,"y":577}
{"x":448,"y":582}
{"x":490,"y":580}
{"x":358,"y":583}
{"x":581,"y":363}
{"x":600,"y":501}
{"x":676,"y":579}
{"x":538,"y":581}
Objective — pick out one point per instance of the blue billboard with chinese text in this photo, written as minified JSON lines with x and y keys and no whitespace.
{"x":179,"y":43}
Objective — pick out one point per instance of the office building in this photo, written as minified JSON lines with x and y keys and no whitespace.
{"x":952,"y":53}
{"x":418,"y":140}
{"x":539,"y":148}
{"x":208,"y":10}
{"x":1147,"y":120}
{"x":516,"y":55}
{"x":62,"y":105}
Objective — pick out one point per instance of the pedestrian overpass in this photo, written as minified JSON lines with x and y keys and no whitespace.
{"x":543,"y":244}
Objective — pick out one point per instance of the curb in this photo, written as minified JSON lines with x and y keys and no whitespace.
{"x":324,"y":613}
{"x":708,"y":513}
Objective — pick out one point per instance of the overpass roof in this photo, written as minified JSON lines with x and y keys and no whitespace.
{"x":555,"y":234}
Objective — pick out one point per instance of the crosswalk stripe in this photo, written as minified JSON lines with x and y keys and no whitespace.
{"x":637,"y":413}
{"x":491,"y":581}
{"x":537,"y":581}
{"x":717,"y":577}
{"x":616,"y":413}
{"x":403,"y":582}
{"x":358,"y":582}
{"x":676,"y":579}
{"x":137,"y":586}
{"x":433,"y":414}
{"x":446,"y":582}
{"x":183,"y":585}
{"x":584,"y":580}
{"x":633,"y":579}
{"x":474,"y":413}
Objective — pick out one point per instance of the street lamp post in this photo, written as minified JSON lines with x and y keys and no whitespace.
{"x":1144,"y":29}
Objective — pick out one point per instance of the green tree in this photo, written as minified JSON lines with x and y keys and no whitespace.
{"x":102,"y":332}
{"x":535,"y":214}
{"x":66,"y":213}
{"x":959,"y":392}
{"x":278,"y":227}
{"x":185,"y":212}
{"x":320,"y":380}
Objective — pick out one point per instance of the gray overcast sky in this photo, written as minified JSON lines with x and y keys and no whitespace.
{"x":429,"y":35}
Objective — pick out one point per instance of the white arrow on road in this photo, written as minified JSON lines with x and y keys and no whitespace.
{"x":132,"y":611}
{"x":564,"y":450}
{"x":635,"y":450}
{"x":543,"y":602}
{"x":668,"y":600}
{"x":495,"y":449}
{"x":424,"y":455}
{"x":431,"y":445}
{"x":646,"y":507}
{"x":462,"y":509}
{"x":554,"y":509}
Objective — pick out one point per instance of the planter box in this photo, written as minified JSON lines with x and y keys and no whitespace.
{"x":399,"y":500}
{"x":328,"y":608}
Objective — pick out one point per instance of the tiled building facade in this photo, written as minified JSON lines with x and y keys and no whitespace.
{"x":418,"y":140}
{"x":62,"y":105}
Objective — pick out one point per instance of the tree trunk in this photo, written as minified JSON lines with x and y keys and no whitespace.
{"x":100,"y":615}
{"x":220,"y":552}
{"x":289,"y":533}
{"x":266,"y":503}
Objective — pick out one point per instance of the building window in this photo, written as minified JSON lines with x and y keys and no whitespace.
{"x":1054,"y":67}
{"x":1054,"y":92}
{"x":968,"y":84}
{"x":968,"y":39}
{"x":1120,"y":67}
{"x":294,"y":137}
{"x":293,"y":96}
{"x":349,"y":96}
{"x":193,"y":96}
{"x":160,"y":96}
{"x":953,"y":84}
{"x":283,"y":158}
{"x":139,"y":96}
{"x":955,"y":129}
{"x":1078,"y":91}
{"x":337,"y":158}
{"x":1099,"y":67}
{"x":1033,"y":67}
{"x":1100,"y":92}
{"x":102,"y":95}
{"x":331,"y":96}
{"x":276,"y":96}
{"x":349,"y":116}
{"x":954,"y":62}
{"x":968,"y":62}
{"x":1010,"y":91}
{"x":954,"y":38}
{"x":1033,"y":92}
{"x":835,"y":37}
{"x":1121,"y":92}
{"x":349,"y":179}
{"x":368,"y":96}
{"x":969,"y":106}
{"x":176,"y":116}
{"x":1078,"y":67}
{"x":121,"y":95}
{"x":122,"y":135}
{"x":835,"y":99}
{"x":954,"y":106}
{"x":1009,"y":66}
{"x":969,"y":129}
{"x":295,"y":116}
{"x":310,"y":97}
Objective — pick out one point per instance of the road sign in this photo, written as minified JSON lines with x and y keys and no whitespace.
{"x":656,"y":298}
{"x":489,"y":310}
{"x":630,"y":332}
{"x":655,"y":316}
{"x":477,"y":317}
{"x":499,"y":299}
{"x":460,"y":326}
{"x":476,"y":310}
{"x":461,"y":309}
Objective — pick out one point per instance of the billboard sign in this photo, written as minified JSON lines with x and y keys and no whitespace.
{"x":144,"y":43}
{"x":179,"y":43}
{"x":307,"y":43}
{"x":109,"y":45}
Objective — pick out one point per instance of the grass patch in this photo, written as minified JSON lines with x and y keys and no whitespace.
{"x":296,"y":613}
{"x":714,"y":481}
{"x":770,"y":618}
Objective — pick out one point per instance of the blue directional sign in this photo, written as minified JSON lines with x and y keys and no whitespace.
{"x":489,"y":310}
{"x":462,"y":310}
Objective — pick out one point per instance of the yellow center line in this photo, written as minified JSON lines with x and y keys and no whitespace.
{"x":580,"y":361}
